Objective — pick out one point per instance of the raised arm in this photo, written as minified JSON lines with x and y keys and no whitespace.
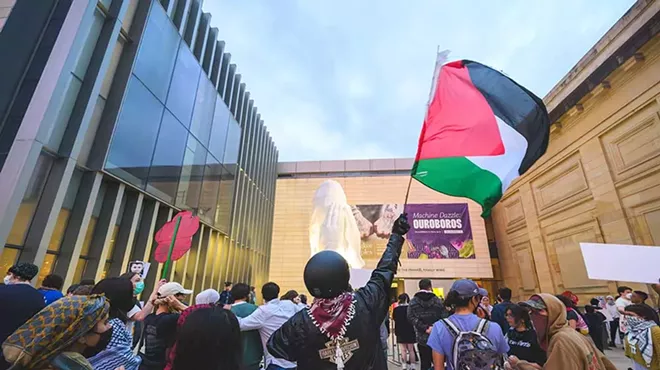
{"x":376,"y":292}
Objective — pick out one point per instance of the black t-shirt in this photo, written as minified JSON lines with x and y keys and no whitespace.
{"x":525,"y":346}
{"x":18,"y":303}
{"x":159,"y":335}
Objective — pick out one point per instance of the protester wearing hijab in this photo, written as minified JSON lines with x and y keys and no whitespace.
{"x":642,"y":342}
{"x":61,"y":335}
{"x":565,"y":347}
{"x":209,"y":296}
{"x":24,"y":300}
{"x":119,"y":351}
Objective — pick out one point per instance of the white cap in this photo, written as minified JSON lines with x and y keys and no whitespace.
{"x":169,"y":289}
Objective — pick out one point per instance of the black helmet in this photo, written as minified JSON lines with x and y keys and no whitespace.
{"x":327,"y":274}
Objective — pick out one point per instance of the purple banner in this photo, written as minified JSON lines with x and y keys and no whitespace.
{"x":439,"y":231}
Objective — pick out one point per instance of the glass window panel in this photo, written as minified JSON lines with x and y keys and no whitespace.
{"x":64,"y":113}
{"x":135,"y":135}
{"x":106,"y":268}
{"x":217,"y":265}
{"x":8,"y":259}
{"x":88,"y":237}
{"x":192,"y":259}
{"x":179,"y":266}
{"x":46,"y":268}
{"x":32,"y":195}
{"x":181,"y":97}
{"x":157,"y":52}
{"x":202,"y":119}
{"x":65,"y":212}
{"x":58,"y":231}
{"x":210,"y":186}
{"x":168,"y":157}
{"x":112,"y":68}
{"x":226,"y":195}
{"x":213,"y":249}
{"x":111,"y":245}
{"x":80,"y":269}
{"x":233,"y":143}
{"x":89,"y":44}
{"x":219,"y":130}
{"x":129,"y":15}
{"x":90,"y":134}
{"x":192,"y":174}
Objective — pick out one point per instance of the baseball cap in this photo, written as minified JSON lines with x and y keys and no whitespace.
{"x":467,"y":288}
{"x":169,"y":289}
{"x":534,"y":302}
{"x":24,"y":270}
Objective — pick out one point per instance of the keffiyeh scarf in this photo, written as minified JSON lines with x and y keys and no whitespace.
{"x":53,"y":330}
{"x":119,"y":351}
{"x":332,"y":316}
{"x":639,"y":337}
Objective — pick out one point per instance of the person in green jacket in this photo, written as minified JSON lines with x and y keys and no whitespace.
{"x":252,"y":348}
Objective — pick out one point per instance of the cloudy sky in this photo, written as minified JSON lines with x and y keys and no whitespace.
{"x":348,"y":79}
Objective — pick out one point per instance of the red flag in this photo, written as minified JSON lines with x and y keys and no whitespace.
{"x":187,"y":228}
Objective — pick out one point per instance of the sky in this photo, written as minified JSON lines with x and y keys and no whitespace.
{"x":347,"y":79}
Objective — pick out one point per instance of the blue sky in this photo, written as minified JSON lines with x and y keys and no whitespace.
{"x":350,"y":79}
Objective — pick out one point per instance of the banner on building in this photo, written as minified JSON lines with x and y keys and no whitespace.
{"x":438,"y":231}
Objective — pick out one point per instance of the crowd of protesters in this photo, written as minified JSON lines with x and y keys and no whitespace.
{"x":103,"y":325}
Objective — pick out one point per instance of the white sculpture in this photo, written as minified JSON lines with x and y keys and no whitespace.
{"x":333,"y":226}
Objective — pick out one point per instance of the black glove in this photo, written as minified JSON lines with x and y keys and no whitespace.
{"x":401,"y":225}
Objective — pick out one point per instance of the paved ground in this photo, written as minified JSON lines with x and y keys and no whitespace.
{"x":616,"y":356}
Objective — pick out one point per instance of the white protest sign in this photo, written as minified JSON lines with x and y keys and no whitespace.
{"x":620,"y":262}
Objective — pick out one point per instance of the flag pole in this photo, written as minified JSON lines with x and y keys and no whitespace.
{"x":169,"y":253}
{"x":440,"y":58}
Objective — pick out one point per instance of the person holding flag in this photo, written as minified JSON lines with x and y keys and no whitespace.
{"x":340,"y":329}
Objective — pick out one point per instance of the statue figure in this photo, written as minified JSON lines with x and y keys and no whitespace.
{"x":333,"y":226}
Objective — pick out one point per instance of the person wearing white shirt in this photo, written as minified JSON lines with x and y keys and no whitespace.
{"x":625,"y":294}
{"x":610,"y":306}
{"x":267,"y":319}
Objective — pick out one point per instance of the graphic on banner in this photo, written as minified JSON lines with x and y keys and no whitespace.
{"x":438,"y":231}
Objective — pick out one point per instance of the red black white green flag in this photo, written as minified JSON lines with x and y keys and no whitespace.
{"x":481,"y":131}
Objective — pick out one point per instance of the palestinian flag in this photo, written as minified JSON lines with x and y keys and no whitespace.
{"x":481,"y":131}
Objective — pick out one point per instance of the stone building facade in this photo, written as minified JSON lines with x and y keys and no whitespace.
{"x":600,"y":178}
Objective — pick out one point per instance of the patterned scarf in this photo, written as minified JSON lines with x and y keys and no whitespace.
{"x":639,"y":337}
{"x":54,"y":329}
{"x":333,"y":315}
{"x":171,"y":354}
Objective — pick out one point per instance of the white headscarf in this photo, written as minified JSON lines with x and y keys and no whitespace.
{"x":209,"y":296}
{"x":333,"y":226}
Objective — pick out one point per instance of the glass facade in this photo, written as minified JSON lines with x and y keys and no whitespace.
{"x":162,"y":134}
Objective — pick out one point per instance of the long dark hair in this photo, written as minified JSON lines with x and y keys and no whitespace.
{"x":404,"y":298}
{"x":199,"y":345}
{"x":120,"y":294}
{"x":289,"y":296}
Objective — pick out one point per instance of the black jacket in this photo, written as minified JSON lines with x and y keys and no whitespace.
{"x":300,"y":341}
{"x":424,"y":310}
